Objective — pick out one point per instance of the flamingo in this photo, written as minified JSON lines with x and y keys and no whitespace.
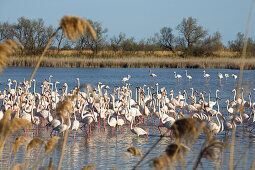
{"x":112,"y":122}
{"x":126,"y":79}
{"x":220,"y":76}
{"x":75,"y":125}
{"x":63,"y":127}
{"x":226,"y":76}
{"x":153,"y":75}
{"x":188,"y":76}
{"x":215,"y":128}
{"x":137,"y":130}
{"x":234,"y":76}
{"x":177,"y":76}
{"x":207,"y":76}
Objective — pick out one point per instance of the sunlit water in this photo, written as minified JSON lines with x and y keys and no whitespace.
{"x":107,"y":150}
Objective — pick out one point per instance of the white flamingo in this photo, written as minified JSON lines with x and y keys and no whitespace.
{"x":206,"y":75}
{"x":234,"y":76}
{"x":137,"y":130}
{"x":153,"y":75}
{"x":126,"y":79}
{"x":177,"y":76}
{"x":188,"y":76}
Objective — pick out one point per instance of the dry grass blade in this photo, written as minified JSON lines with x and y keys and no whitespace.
{"x":19,"y":166}
{"x":135,"y":151}
{"x":17,"y":143}
{"x":8,"y":47}
{"x":89,"y":167}
{"x":34,"y":143}
{"x":161,"y":162}
{"x":74,"y":27}
{"x":51,"y":144}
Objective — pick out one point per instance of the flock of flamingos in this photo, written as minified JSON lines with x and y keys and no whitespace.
{"x":122,"y":107}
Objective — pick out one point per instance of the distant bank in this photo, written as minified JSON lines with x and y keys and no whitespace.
{"x":133,"y":62}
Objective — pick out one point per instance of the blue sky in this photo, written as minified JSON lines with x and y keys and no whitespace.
{"x":138,"y":18}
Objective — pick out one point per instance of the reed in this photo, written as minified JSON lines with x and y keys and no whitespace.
{"x":209,"y":151}
{"x":134,"y":62}
{"x":8,"y":47}
{"x":135,"y":151}
{"x":89,"y":167}
{"x":73,"y":27}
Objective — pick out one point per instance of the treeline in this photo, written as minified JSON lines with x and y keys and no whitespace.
{"x":192,"y":40}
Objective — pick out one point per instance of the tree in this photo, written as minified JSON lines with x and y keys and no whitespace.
{"x":87,"y":42}
{"x":32,"y":34}
{"x":191,"y":32}
{"x":213,"y":43}
{"x":6,"y":31}
{"x":129,"y":45}
{"x":166,"y":38}
{"x":237,"y":44}
{"x":115,"y":42}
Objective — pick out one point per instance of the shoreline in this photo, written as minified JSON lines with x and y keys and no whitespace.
{"x":133,"y":62}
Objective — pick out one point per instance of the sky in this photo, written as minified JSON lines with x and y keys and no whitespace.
{"x":140,"y":19}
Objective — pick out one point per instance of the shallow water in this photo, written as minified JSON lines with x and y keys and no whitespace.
{"x":107,"y":150}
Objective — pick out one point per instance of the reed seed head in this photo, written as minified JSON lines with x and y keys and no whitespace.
{"x":66,"y":107}
{"x":51,"y":144}
{"x":34,"y":143}
{"x":89,"y":167}
{"x":75,"y":27}
{"x":17,"y":143}
{"x":187,"y":128}
{"x":19,"y":166}
{"x":8,"y":126}
{"x":161,"y":162}
{"x":8,"y":47}
{"x":135,"y":151}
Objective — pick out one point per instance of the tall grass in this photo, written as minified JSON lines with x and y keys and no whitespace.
{"x":134,"y":62}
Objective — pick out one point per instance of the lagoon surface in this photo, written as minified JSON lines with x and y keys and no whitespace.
{"x":107,"y":150}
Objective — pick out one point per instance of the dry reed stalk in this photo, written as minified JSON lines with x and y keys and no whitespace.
{"x":51,"y":144}
{"x":135,"y":151}
{"x":8,"y":47}
{"x":188,"y":129}
{"x":66,"y":107}
{"x":161,"y":162}
{"x":175,"y":150}
{"x":8,"y":126}
{"x":17,"y":143}
{"x":34,"y":143}
{"x":63,"y":150}
{"x":208,"y":151}
{"x":231,"y":155}
{"x":147,"y":153}
{"x":89,"y":167}
{"x":48,"y":148}
{"x":74,"y":27}
{"x":19,"y":166}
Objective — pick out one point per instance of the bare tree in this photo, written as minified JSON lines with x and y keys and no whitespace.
{"x":32,"y":34}
{"x":191,"y":32}
{"x":6,"y":31}
{"x":166,"y":38}
{"x":87,"y":42}
{"x":115,"y":42}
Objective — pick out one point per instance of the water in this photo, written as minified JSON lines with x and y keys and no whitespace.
{"x":108,"y":151}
